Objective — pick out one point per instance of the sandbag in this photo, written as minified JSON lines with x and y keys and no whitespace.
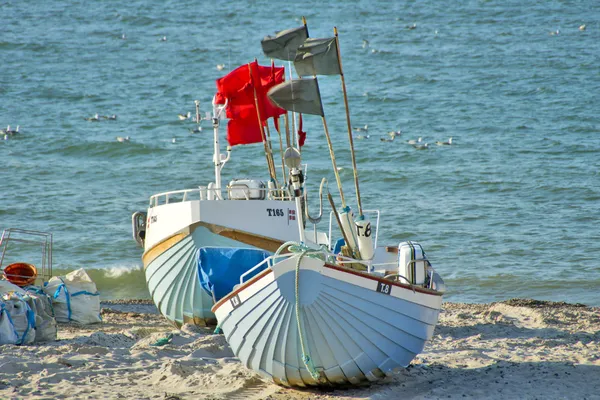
{"x":8,"y":335}
{"x":40,"y":303}
{"x":74,"y":298}
{"x":21,"y":316}
{"x":6,"y":286}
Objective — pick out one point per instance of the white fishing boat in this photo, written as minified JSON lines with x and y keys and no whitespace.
{"x":207,"y":226}
{"x":344,"y":313}
{"x":310,"y":319}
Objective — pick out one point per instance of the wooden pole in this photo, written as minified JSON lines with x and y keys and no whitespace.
{"x":270,"y":145}
{"x":281,"y":153}
{"x":333,"y":162}
{"x":268,"y":152}
{"x":350,"y":139}
{"x":287,"y":129}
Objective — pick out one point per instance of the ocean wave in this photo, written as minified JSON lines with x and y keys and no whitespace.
{"x":116,"y":282}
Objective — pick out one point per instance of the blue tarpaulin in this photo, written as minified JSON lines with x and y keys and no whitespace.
{"x":220,"y":268}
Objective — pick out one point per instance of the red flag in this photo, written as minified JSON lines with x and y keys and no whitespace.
{"x":238,"y":89}
{"x":301,"y":133}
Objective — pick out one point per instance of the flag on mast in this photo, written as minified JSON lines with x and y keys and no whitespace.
{"x":238,"y":88}
{"x":298,"y":95}
{"x":284,"y":44}
{"x":317,"y":57}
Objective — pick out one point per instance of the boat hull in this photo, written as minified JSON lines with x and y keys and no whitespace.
{"x":353,"y":327}
{"x":172,"y":278}
{"x":175,"y":233}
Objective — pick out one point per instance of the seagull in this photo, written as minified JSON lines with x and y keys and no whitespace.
{"x":582,"y":28}
{"x":94,"y":118}
{"x":393,"y":134}
{"x":183,"y":117}
{"x":421,"y":146}
{"x":413,"y":141}
{"x":365,"y":43}
{"x":197,"y":129}
{"x":391,"y":139}
{"x":163,"y":39}
{"x":122,"y":139}
{"x":449,"y":142}
{"x":123,"y":37}
{"x":3,"y":131}
{"x":553,"y":33}
{"x":11,"y":132}
{"x":110,"y":117}
{"x":174,"y":140}
{"x":359,"y":129}
{"x":413,"y":26}
{"x":359,"y":137}
{"x":220,"y":67}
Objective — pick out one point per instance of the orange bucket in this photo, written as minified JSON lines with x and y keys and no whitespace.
{"x":21,"y":274}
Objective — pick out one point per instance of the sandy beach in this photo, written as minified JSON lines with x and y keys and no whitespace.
{"x":517,"y":349}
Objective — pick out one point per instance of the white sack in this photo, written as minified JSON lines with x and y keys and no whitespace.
{"x":22,"y":317}
{"x":8,"y":335}
{"x":74,"y":298}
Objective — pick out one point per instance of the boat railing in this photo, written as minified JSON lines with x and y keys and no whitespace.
{"x":270,"y":193}
{"x":213,"y":193}
{"x":350,"y":262}
{"x":269,"y":261}
{"x":336,"y":258}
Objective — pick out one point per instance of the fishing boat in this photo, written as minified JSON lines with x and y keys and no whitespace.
{"x":310,"y":319}
{"x":185,"y":232}
{"x":349,"y":312}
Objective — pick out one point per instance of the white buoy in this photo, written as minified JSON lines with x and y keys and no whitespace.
{"x":210,"y":195}
{"x":365,"y":238}
{"x":411,"y":270}
{"x":346,"y":218}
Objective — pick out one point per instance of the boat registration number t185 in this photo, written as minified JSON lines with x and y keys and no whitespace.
{"x":275,"y":212}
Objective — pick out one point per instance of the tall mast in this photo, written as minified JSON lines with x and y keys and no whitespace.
{"x":350,"y":139}
{"x":333,"y":163}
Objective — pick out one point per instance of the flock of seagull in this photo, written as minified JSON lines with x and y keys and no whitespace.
{"x":392,"y":135}
{"x":363,"y":132}
{"x":97,"y":117}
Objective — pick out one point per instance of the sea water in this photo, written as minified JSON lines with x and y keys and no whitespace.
{"x":509,"y":210}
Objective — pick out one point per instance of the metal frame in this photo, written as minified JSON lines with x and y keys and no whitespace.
{"x":43,"y":239}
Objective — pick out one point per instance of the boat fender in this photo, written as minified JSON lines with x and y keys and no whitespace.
{"x":272,"y":187}
{"x":246,"y":189}
{"x":347,"y":217}
{"x":412,"y":263}
{"x":365,"y":238}
{"x":211,"y":191}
